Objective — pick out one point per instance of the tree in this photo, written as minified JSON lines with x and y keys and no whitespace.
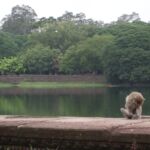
{"x":60,"y":35}
{"x":129,"y":17}
{"x":85,"y":57}
{"x":8,"y":46}
{"x":11,"y":65}
{"x":136,"y":34}
{"x":20,"y":20}
{"x":41,"y":60}
{"x":12,"y":45}
{"x":67,"y":16}
{"x":129,"y":65}
{"x":78,"y":19}
{"x":63,"y":33}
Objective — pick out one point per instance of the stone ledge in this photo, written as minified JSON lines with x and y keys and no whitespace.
{"x":75,"y":133}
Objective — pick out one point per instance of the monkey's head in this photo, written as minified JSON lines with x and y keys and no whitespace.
{"x":139,"y":99}
{"x":139,"y":102}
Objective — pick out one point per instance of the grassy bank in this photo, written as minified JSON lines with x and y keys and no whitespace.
{"x":52,"y":85}
{"x":5,"y":85}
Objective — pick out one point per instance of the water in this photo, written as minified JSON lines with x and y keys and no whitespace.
{"x":100,"y":102}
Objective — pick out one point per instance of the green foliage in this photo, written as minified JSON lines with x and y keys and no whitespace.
{"x":12,"y":65}
{"x":8,"y":47}
{"x":20,"y":21}
{"x":127,"y":65}
{"x":129,"y":18}
{"x":60,"y":35}
{"x":72,"y":44}
{"x":12,"y":45}
{"x":41,"y":60}
{"x":86,"y":56}
{"x":136,"y":34}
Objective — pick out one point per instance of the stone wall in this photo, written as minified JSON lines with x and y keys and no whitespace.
{"x":73,"y":133}
{"x":52,"y":78}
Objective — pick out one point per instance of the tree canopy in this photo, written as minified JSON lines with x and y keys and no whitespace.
{"x":20,"y":20}
{"x":73,"y":44}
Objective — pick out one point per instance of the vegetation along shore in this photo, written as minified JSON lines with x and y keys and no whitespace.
{"x":73,"y":44}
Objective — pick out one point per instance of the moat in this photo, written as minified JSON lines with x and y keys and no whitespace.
{"x":83,"y":102}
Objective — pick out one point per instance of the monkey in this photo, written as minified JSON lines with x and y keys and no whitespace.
{"x":133,"y":106}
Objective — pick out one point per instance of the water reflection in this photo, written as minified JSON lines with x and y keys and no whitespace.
{"x":103,"y":102}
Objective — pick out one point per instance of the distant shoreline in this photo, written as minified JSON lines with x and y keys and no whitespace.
{"x":52,"y":78}
{"x":52,"y":85}
{"x":59,"y":81}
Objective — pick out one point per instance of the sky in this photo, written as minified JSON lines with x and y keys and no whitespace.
{"x":100,"y":10}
